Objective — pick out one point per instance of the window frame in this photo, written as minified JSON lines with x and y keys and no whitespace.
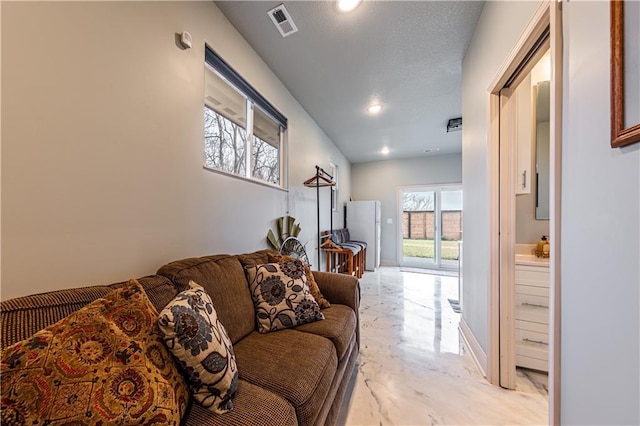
{"x":215,"y":64}
{"x":333,"y":169}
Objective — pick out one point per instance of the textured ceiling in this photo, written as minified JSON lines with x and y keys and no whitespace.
{"x":408,"y":55}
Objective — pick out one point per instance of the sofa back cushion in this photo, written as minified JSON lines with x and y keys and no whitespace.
{"x":258,"y":257}
{"x":24,"y":316}
{"x":223,"y":278}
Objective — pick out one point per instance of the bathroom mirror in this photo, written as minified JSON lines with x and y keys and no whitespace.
{"x":542,"y":138}
{"x":625,"y":69}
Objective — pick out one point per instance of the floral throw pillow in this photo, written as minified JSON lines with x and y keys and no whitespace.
{"x":197,"y":339}
{"x":311,"y":281}
{"x":104,"y":364}
{"x":281,"y":296}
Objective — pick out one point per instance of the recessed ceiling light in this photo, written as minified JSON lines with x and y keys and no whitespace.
{"x":430,"y":150}
{"x":347,"y":5}
{"x":385,"y":150}
{"x":374,"y":109}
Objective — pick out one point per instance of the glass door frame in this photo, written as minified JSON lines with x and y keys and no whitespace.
{"x":437,"y":255}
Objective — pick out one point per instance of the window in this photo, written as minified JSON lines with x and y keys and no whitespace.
{"x":265,"y":153}
{"x":333,"y":171}
{"x":244,"y":135}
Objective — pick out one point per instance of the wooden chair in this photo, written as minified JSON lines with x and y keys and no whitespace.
{"x":343,"y":260}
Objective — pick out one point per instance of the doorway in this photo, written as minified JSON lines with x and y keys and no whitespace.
{"x":431,"y":227}
{"x":504,"y":183}
{"x":524,"y":277}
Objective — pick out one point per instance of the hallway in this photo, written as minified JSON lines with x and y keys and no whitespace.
{"x":412,"y":368}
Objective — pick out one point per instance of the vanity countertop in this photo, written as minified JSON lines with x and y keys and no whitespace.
{"x":531,"y":260}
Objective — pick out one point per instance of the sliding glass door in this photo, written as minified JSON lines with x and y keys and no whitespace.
{"x":431,"y":226}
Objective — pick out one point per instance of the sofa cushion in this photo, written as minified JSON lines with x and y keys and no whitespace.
{"x":253,"y":406}
{"x":295,"y":365}
{"x":347,"y":236}
{"x":223,"y":278}
{"x":336,"y":237}
{"x":198,"y":340}
{"x":258,"y":257}
{"x":339,"y":326}
{"x":102,"y":364}
{"x":281,"y":296}
{"x":355,"y":248}
{"x":311,"y":282}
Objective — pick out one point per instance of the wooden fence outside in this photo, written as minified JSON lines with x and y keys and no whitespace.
{"x":419,"y":225}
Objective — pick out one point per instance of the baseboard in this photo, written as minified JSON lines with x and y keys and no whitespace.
{"x":473,"y":346}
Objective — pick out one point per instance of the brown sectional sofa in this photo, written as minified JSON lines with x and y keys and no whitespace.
{"x":296,"y":376}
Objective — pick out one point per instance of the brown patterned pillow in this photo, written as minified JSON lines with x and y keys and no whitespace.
{"x":311,"y":281}
{"x":105,"y":363}
{"x":281,"y":296}
{"x":196,"y":337}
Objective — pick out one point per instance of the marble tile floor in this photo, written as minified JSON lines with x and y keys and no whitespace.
{"x":413,"y":369}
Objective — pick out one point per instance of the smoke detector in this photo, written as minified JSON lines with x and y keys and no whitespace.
{"x":282,"y":20}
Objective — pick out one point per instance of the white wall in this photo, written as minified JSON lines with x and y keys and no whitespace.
{"x":102,"y":176}
{"x":380,"y":181}
{"x":600,"y":227}
{"x":600,"y":325}
{"x":498,"y":29}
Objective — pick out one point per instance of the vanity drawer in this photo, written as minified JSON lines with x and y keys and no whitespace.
{"x":537,"y":276}
{"x":533,"y":363}
{"x":532,"y":326}
{"x":532,"y":308}
{"x":532,"y":344}
{"x":532,"y":290}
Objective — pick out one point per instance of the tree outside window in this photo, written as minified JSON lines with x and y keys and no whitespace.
{"x":224,"y":143}
{"x":240,"y":136}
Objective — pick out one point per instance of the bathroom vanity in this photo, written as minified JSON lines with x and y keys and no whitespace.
{"x":532,"y":312}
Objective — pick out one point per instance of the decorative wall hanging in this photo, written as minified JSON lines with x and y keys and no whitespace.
{"x":625,"y":73}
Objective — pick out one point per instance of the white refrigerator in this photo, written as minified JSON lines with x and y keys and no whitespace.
{"x":363,"y":222}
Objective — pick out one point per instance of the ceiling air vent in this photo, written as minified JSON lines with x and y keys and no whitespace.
{"x":454,"y":124}
{"x":282,"y":20}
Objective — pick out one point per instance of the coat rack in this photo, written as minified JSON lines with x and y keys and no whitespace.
{"x":321,"y":179}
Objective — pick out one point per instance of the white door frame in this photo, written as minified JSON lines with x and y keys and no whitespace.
{"x":416,"y":188}
{"x":549,"y":13}
{"x":507,"y":208}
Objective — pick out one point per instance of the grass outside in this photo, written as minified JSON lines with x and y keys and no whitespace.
{"x":424,"y":248}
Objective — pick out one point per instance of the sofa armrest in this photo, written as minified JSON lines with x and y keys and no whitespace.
{"x":341,"y":289}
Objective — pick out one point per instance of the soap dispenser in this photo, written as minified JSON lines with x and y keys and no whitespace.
{"x":541,"y":246}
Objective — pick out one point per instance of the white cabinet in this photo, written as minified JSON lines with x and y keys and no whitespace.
{"x":532,"y":316}
{"x":524,"y":137}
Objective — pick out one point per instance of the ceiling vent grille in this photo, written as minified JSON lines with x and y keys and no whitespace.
{"x":282,"y":20}
{"x":454,"y":124}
